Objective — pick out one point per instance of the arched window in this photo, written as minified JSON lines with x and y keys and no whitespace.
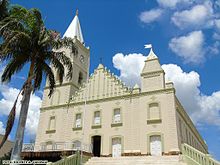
{"x":80,"y":79}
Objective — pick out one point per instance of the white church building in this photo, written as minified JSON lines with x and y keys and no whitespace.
{"x":99,"y":114}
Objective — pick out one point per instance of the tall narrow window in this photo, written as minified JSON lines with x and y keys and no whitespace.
{"x":154,"y":111}
{"x":181,"y":133}
{"x":117,"y":116}
{"x":97,"y":118}
{"x":80,"y":79}
{"x":52,"y":123}
{"x":78,"y":122}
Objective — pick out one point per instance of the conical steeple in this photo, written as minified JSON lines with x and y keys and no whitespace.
{"x":74,"y":29}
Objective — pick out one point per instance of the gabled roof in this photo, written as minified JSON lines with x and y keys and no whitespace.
{"x":74,"y":29}
{"x":102,"y":84}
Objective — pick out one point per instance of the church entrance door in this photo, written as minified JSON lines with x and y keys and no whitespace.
{"x":116,"y":147}
{"x":155,"y":145}
{"x":96,"y":143}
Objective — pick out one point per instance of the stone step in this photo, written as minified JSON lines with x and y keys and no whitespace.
{"x":136,"y":160}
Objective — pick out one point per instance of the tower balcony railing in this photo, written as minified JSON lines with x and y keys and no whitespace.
{"x":57,"y":146}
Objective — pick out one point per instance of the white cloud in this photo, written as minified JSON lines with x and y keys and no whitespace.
{"x":217,"y":24}
{"x":151,"y":15}
{"x":198,"y":16}
{"x":216,"y":36}
{"x":9,"y":95}
{"x":202,"y":108}
{"x":129,"y":67}
{"x":189,"y":47}
{"x":173,"y":3}
{"x":168,"y":3}
{"x":2,"y":129}
{"x":214,"y":49}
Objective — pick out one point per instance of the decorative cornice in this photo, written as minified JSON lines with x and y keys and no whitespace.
{"x":152,"y":74}
{"x":130,"y":95}
{"x":64,"y":84}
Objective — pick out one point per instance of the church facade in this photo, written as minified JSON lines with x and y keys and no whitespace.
{"x":99,"y":110}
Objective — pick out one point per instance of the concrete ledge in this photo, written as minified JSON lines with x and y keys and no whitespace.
{"x":96,"y":126}
{"x":116,"y":124}
{"x":77,"y":128}
{"x":154,"y":121}
{"x":50,"y":131}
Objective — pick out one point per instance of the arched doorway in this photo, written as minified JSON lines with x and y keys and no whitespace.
{"x":96,"y":143}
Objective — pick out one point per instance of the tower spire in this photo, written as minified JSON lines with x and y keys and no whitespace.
{"x":74,"y":29}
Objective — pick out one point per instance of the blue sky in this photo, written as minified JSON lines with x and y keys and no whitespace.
{"x":185,"y":35}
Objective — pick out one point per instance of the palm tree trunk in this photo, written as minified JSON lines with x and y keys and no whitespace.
{"x":16,"y":152}
{"x":27,"y":89}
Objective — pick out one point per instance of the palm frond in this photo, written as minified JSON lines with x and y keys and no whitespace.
{"x":66,"y":62}
{"x":57,"y":64}
{"x":49,"y":73}
{"x":14,"y":66}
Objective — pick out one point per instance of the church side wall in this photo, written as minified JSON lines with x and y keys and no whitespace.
{"x":187,"y":133}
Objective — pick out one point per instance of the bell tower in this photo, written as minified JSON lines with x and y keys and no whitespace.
{"x":152,"y":75}
{"x":80,"y":63}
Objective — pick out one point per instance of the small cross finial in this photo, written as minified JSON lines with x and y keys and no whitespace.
{"x":77,"y":12}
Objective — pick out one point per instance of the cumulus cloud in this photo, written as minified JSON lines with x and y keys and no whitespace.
{"x":172,"y":3}
{"x":203,"y":109}
{"x":216,"y":36}
{"x":151,"y":15}
{"x":189,"y":15}
{"x":189,"y":47}
{"x":9,"y":95}
{"x":217,"y":24}
{"x":2,"y":129}
{"x":200,"y":15}
{"x":133,"y":64}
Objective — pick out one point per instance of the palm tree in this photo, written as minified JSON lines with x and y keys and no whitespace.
{"x":27,"y":41}
{"x":3,"y":9}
